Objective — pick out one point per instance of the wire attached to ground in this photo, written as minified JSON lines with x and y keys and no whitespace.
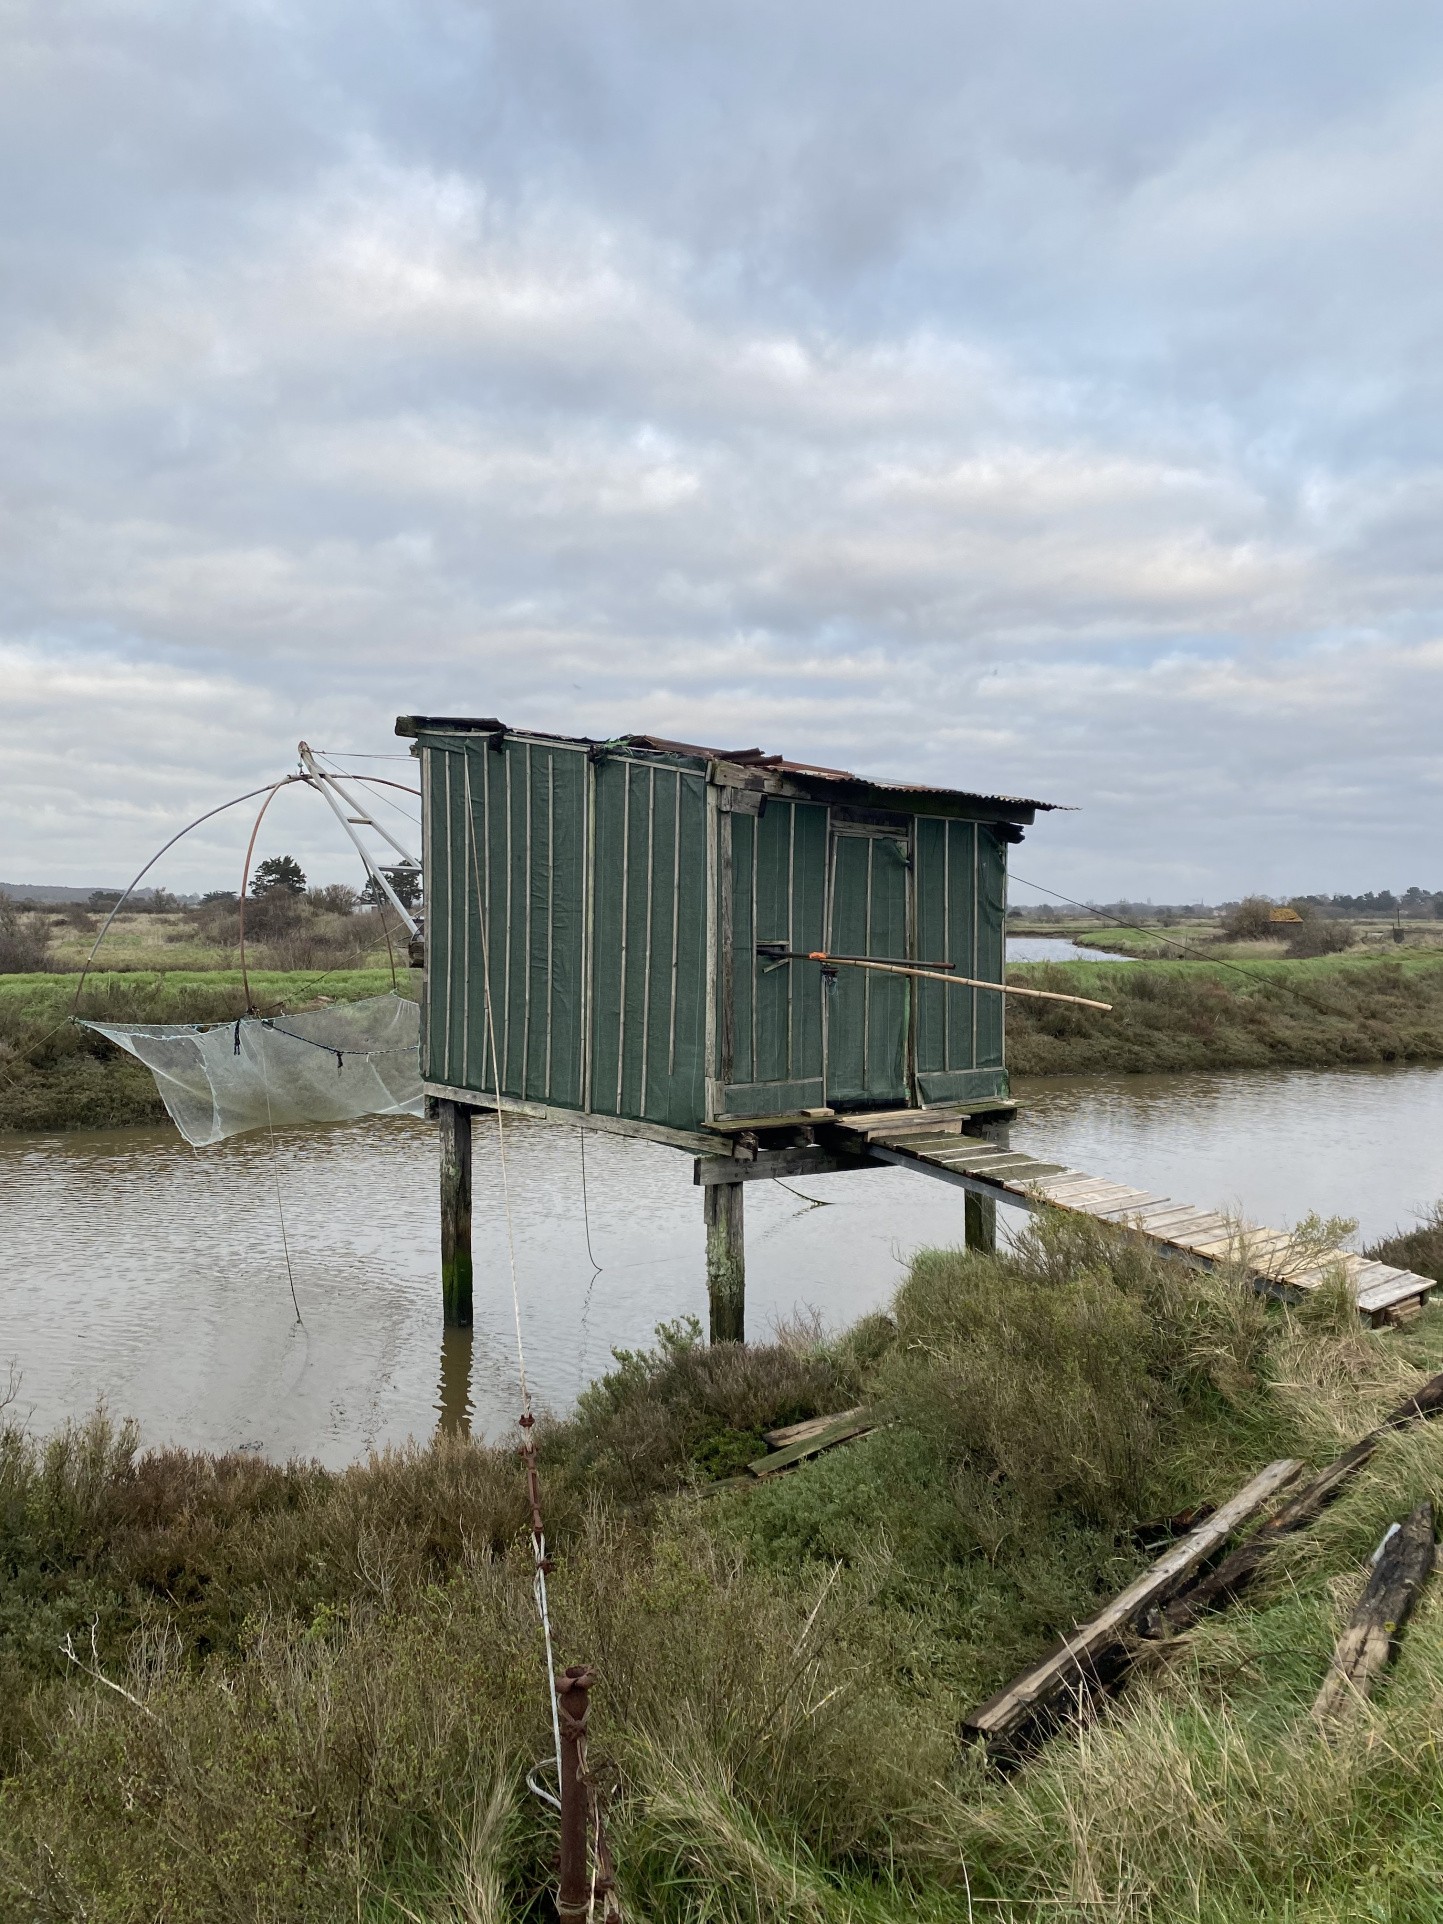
{"x":586,"y":1206}
{"x":528,"y":1417}
{"x":814,"y":1202}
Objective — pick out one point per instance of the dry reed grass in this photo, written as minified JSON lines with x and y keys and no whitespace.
{"x":328,"y":1685}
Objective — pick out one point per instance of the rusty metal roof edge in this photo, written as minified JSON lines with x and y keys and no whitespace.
{"x":413,"y":725}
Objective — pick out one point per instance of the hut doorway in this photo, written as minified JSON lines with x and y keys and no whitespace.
{"x":869,"y":913}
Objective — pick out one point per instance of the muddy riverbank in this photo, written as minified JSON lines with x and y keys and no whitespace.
{"x":1166,"y":1017}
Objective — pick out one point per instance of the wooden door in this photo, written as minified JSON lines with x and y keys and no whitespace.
{"x":867,"y":1013}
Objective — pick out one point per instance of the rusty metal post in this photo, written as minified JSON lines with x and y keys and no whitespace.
{"x":573,"y":1898}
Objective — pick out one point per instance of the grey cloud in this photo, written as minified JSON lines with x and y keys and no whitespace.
{"x":1040,"y":397}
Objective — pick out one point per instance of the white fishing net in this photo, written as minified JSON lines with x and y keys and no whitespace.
{"x":330,"y":1065}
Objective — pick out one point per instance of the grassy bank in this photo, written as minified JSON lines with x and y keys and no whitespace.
{"x":1348,"y":1009}
{"x":312,"y":1697}
{"x":56,"y":1075}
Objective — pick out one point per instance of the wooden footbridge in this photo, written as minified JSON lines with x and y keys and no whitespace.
{"x":1277,"y":1261}
{"x":780,"y":968}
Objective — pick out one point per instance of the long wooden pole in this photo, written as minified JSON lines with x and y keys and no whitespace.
{"x":955,"y":981}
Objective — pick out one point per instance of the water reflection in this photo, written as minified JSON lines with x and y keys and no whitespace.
{"x":453,"y":1391}
{"x":135,"y":1269}
{"x":1057,"y":948}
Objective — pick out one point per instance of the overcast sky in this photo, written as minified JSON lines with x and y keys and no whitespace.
{"x":1042,"y":397}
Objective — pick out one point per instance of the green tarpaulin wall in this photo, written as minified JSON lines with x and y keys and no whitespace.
{"x":606,"y":898}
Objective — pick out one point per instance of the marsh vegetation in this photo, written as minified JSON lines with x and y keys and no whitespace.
{"x":307,"y":1695}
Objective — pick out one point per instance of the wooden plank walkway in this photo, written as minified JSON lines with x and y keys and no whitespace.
{"x":1275,"y":1259}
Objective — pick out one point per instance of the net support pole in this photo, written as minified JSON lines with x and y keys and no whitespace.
{"x":726,"y":1264}
{"x":979,"y":1213}
{"x":455,"y":1121}
{"x":574,"y":1896}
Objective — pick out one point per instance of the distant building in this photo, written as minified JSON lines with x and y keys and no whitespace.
{"x":1284,"y":915}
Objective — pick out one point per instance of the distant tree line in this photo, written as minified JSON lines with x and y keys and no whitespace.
{"x":1417,"y":904}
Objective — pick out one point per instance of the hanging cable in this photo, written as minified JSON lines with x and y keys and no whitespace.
{"x":276,"y":1174}
{"x":245,"y":883}
{"x":586,"y":1206}
{"x":235,"y":800}
{"x":528,"y":1418}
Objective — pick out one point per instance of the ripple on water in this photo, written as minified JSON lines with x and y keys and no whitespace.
{"x":149,"y":1274}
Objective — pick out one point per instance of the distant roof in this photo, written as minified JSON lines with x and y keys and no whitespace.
{"x":808,"y":775}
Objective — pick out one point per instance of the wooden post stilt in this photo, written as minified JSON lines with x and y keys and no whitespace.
{"x":979,"y":1223}
{"x":455,"y":1121}
{"x":726,"y":1267}
{"x":979,"y":1213}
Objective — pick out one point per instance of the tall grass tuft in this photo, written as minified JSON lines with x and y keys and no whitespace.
{"x":305,"y":1696}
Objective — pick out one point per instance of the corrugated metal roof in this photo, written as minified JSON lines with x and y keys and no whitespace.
{"x":757,"y":758}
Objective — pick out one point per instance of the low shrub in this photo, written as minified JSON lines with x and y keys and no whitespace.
{"x":303,"y":1695}
{"x":24,"y":940}
{"x":1319,"y":936}
{"x":687,"y":1409}
{"x":1419,"y":1249}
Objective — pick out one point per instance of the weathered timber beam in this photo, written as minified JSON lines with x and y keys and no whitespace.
{"x":690,"y":1139}
{"x":1236,"y":1571}
{"x":1095,"y":1654}
{"x":726,"y":1262}
{"x":455,"y":1139}
{"x":843,"y":1429}
{"x":1402,"y":1564}
{"x":769,"y":1163}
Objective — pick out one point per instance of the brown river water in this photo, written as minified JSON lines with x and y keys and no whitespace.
{"x":152,"y":1277}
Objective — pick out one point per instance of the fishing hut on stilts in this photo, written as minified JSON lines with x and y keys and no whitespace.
{"x":754,"y":960}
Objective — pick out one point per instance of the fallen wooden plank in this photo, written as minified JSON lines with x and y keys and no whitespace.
{"x":1402,"y":1564}
{"x":838,"y":1432}
{"x":1237,"y":1571}
{"x":1084,"y":1661}
{"x":790,"y":1433}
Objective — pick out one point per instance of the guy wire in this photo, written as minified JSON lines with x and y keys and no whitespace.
{"x":1215,"y":962}
{"x":276,"y":1174}
{"x":586,"y":1205}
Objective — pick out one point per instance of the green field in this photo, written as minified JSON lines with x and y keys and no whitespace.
{"x":314,"y":1697}
{"x":1355,"y":1008}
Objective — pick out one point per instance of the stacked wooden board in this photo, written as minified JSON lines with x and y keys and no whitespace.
{"x":1276,"y":1260}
